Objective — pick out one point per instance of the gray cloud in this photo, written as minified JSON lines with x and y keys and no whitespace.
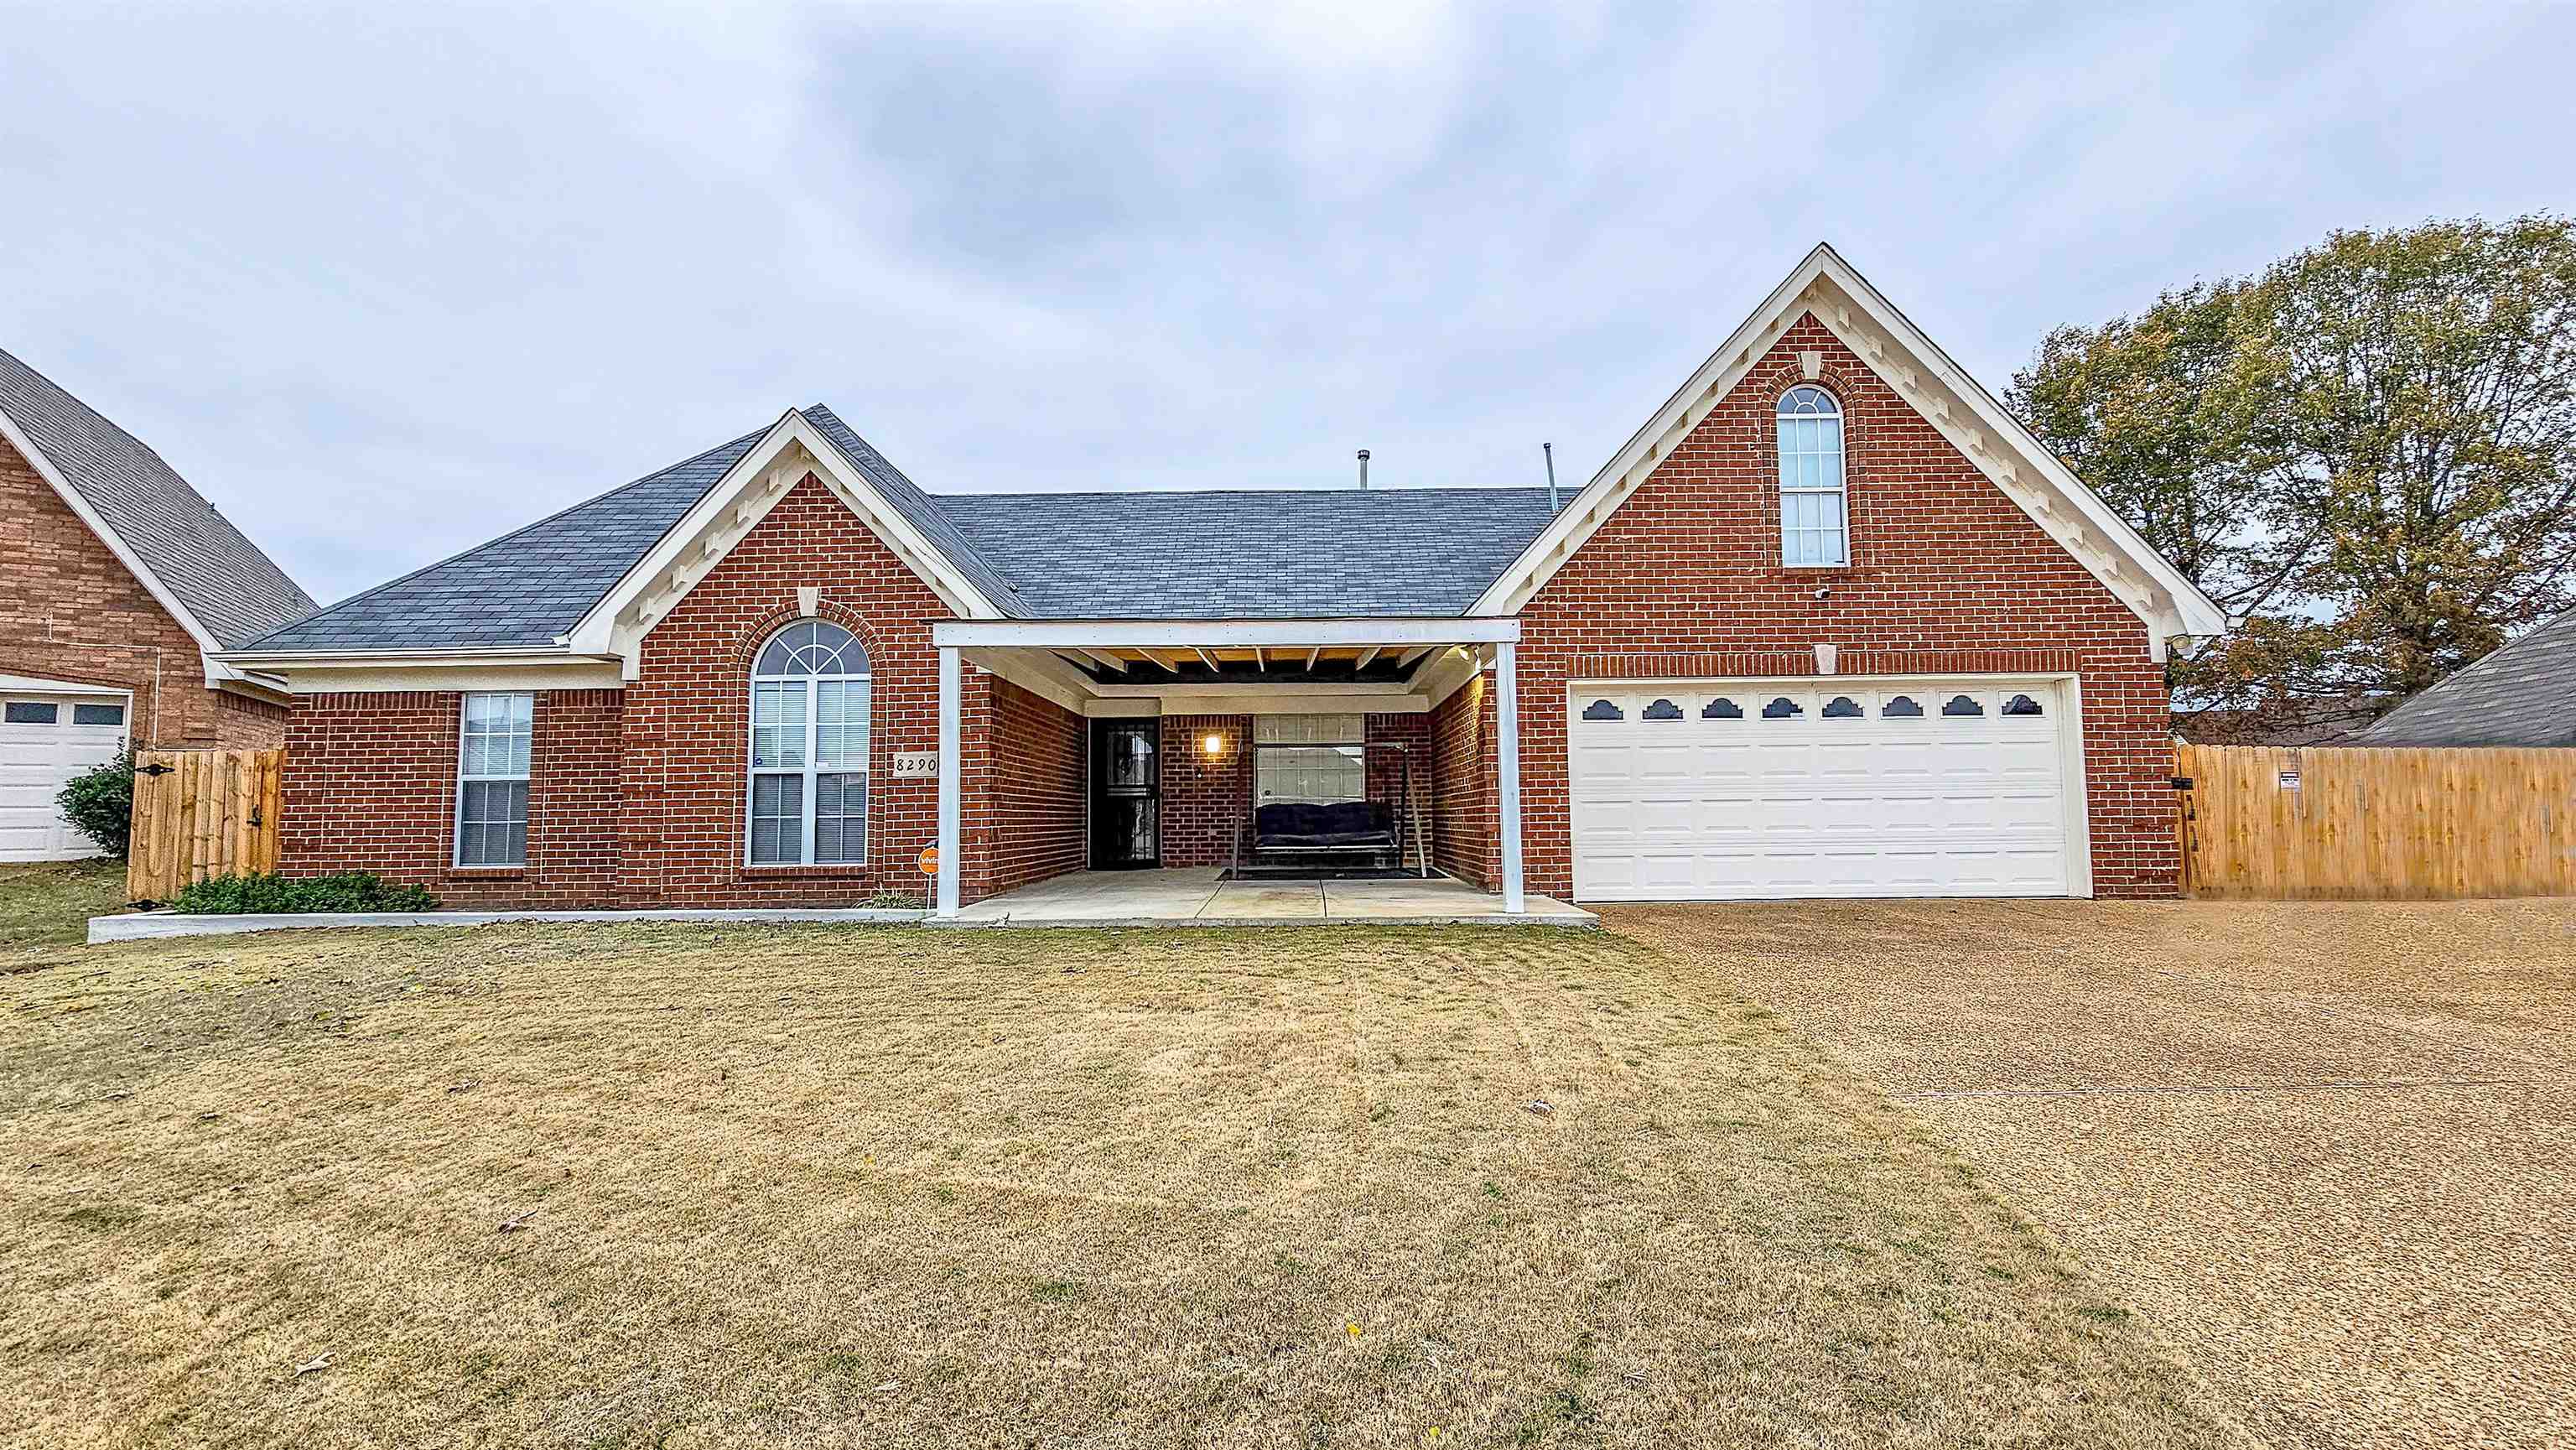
{"x":385,"y":285}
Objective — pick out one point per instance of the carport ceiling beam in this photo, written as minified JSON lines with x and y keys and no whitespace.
{"x":1213,"y":634}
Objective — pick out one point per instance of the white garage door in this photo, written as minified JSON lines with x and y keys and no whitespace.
{"x":45,"y":740}
{"x":1704,"y":790}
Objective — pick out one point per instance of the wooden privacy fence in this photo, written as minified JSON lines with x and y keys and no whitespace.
{"x":201,"y":813}
{"x":2339,"y":822}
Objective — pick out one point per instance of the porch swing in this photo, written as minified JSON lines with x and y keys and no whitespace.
{"x":1304,"y":836}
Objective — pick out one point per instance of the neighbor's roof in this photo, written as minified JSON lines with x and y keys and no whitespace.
{"x":2523,"y":694}
{"x":1136,"y":555}
{"x":234,"y":592}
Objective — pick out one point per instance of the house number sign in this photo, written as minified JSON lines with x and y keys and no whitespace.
{"x":916,"y":764}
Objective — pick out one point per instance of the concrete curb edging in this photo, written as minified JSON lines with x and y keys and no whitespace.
{"x":159,"y":925}
{"x":152,"y":925}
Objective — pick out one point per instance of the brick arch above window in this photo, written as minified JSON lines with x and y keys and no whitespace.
{"x":755,"y":633}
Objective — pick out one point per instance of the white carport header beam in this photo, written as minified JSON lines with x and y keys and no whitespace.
{"x":1220,"y":633}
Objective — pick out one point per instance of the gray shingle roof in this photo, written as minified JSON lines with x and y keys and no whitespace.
{"x":2523,"y":694}
{"x":527,"y":586}
{"x":1062,"y":556}
{"x":1251,"y":555}
{"x":917,"y":509}
{"x":221,"y":578}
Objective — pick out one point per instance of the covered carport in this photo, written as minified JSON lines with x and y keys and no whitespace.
{"x":1109,"y":669}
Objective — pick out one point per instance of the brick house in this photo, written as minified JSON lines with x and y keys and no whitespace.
{"x":1830,"y":623}
{"x":119,"y":586}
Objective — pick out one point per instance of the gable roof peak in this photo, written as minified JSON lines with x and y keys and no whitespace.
{"x":1827,"y":287}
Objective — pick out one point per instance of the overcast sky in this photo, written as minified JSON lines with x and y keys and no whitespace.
{"x":385,"y":287}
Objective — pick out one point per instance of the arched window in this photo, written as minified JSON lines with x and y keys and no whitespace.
{"x":1812,"y":531}
{"x":809,"y":747}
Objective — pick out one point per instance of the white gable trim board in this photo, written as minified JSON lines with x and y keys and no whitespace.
{"x":217,"y":674}
{"x":617,"y":624}
{"x":1824,"y":285}
{"x":1874,"y":787}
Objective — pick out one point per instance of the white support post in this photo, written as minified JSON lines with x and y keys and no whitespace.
{"x":951,"y":686}
{"x":1507,"y":733}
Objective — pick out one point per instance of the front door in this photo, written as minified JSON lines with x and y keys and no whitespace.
{"x":1126,"y":794}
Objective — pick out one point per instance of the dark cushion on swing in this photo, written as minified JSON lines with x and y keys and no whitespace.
{"x":1308,"y":823}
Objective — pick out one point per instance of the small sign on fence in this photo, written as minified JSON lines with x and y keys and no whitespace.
{"x":2289,"y":780}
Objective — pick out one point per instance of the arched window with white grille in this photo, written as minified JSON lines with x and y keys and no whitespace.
{"x":1814,"y":528}
{"x":808,"y":796}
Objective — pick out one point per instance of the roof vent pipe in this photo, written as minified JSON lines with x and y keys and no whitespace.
{"x":1363,"y":468}
{"x":1550,"y":450}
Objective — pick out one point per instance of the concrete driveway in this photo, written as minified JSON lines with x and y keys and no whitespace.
{"x":2330,"y":1148}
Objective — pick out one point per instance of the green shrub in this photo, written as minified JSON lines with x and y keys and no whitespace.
{"x":101,"y":802}
{"x":348,"y":891}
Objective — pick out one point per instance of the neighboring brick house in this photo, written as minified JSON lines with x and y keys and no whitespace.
{"x":118,"y":586}
{"x":1830,"y":623}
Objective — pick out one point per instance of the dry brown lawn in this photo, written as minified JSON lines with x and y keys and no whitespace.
{"x":827,"y":1186}
{"x":45,"y":909}
{"x":2329,"y":1146}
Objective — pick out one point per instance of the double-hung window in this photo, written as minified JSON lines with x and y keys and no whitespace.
{"x":1813,"y":525}
{"x":492,"y":780}
{"x":809,"y":747}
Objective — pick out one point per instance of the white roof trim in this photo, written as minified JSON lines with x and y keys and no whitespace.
{"x":89,"y":517}
{"x":1224,"y":633}
{"x":1941,"y":391}
{"x":731,"y":509}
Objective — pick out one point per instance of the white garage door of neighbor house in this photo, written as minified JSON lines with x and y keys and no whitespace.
{"x":45,"y":740}
{"x":1707,"y":790}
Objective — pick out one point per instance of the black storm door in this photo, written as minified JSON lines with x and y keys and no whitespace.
{"x":1126,"y":794}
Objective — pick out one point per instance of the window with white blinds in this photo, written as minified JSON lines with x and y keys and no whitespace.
{"x":1309,"y":758}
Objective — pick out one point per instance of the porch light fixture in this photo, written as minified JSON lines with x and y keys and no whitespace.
{"x":1214,"y":745}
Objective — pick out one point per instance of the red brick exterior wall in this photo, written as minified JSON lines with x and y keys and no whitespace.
{"x":1034,"y":777}
{"x":1466,"y":832}
{"x":64,"y":594}
{"x":1388,"y":772}
{"x":1204,"y":796}
{"x":1947,"y":574}
{"x":370,"y":784}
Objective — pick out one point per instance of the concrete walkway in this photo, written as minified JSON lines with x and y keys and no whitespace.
{"x":1192,"y":896}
